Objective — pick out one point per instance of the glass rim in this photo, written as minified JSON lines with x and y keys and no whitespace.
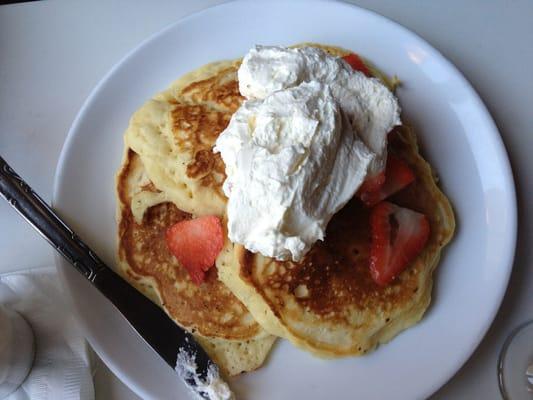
{"x":503,"y":353}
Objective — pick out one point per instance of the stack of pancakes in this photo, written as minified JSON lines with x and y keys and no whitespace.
{"x":327,"y":304}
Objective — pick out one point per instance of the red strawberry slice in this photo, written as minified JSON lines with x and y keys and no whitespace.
{"x":373,"y":183}
{"x":397,"y":176}
{"x":196,"y":244}
{"x":356,"y":63}
{"x":398,"y":236}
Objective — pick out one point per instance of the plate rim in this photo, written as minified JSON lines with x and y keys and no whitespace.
{"x":506,"y":170}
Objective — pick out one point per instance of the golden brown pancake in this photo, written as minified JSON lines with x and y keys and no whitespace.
{"x":174,"y":134}
{"x":220,"y":321}
{"x":328,"y":303}
{"x":169,"y":174}
{"x":202,"y":309}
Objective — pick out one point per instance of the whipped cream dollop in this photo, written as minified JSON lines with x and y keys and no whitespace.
{"x":298,"y":149}
{"x":290,"y":165}
{"x":372,"y":108}
{"x":212,"y":386}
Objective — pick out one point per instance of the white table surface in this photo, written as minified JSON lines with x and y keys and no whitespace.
{"x":52,"y":53}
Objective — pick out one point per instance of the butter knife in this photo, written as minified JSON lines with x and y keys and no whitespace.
{"x":173,"y":344}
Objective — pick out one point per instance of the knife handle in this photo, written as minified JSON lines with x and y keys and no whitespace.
{"x":34,"y":210}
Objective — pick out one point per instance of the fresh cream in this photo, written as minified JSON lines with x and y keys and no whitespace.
{"x":298,"y":149}
{"x":372,"y":108}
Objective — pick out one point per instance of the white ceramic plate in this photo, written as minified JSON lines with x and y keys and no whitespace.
{"x":457,"y":135}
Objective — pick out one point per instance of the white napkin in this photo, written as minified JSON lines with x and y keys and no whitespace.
{"x":62,"y":367}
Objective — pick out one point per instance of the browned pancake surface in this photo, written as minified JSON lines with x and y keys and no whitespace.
{"x":335,"y":271}
{"x":210,"y":309}
{"x":195,"y":129}
{"x":220,"y":91}
{"x":333,"y":282}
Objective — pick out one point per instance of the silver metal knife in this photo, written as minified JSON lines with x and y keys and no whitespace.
{"x":149,"y":321}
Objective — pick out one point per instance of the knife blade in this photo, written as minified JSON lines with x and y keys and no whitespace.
{"x":175,"y":346}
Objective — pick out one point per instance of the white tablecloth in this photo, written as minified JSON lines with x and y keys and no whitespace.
{"x":52,"y":53}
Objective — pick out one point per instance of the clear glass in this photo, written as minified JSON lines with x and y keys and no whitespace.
{"x":16,"y":350}
{"x":515,"y":364}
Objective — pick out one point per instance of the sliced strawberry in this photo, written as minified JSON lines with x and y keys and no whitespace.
{"x":373,"y":183}
{"x":398,"y":236}
{"x":356,"y":63}
{"x":196,"y":244}
{"x":397,"y":176}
